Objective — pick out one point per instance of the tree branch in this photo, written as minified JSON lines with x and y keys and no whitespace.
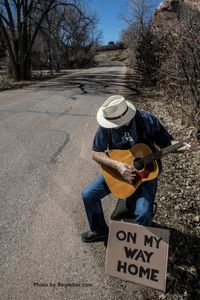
{"x":7,"y":41}
{"x":4,"y":18}
{"x":10,"y":17}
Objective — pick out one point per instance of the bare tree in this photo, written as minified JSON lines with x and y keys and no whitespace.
{"x":66,"y":39}
{"x":140,"y":40}
{"x":180,"y":63}
{"x":20,"y":21}
{"x":141,"y":11}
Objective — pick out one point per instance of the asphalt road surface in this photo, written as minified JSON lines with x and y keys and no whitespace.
{"x":46,"y":132}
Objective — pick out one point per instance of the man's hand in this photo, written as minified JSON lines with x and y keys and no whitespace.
{"x":192,"y":145}
{"x":188,"y":146}
{"x":126,"y":171}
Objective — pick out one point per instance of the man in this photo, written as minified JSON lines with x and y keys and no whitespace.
{"x":121,"y":126}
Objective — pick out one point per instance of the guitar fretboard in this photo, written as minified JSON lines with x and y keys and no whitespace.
{"x":157,"y":155}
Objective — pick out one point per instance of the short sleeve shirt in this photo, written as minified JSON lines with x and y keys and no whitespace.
{"x":126,"y":136}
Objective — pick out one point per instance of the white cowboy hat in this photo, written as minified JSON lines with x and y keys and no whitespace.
{"x":115,"y":112}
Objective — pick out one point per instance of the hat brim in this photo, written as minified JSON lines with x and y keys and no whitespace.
{"x":103,"y":122}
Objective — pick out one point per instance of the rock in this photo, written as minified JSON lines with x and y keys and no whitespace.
{"x":177,"y":207}
{"x":196,"y":219}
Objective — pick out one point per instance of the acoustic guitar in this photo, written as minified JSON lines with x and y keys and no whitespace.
{"x":145,"y":165}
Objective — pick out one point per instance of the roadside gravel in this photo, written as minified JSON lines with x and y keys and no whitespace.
{"x":178,"y":208}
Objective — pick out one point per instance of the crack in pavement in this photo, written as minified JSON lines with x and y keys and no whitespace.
{"x":59,"y":114}
{"x":54,"y":157}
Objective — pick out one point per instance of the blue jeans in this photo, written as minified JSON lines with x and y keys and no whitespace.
{"x":98,"y":189}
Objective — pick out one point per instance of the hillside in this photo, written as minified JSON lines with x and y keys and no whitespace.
{"x":112,"y":55}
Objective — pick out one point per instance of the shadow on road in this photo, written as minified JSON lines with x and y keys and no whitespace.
{"x":94,"y":84}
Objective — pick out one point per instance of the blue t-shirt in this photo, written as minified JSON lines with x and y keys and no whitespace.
{"x":126,"y":136}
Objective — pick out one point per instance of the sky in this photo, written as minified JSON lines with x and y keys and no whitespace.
{"x":110,"y":22}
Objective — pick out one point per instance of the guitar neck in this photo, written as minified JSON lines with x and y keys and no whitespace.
{"x":157,"y":155}
{"x":173,"y":147}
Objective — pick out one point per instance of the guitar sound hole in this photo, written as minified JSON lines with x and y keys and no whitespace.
{"x":138,"y":164}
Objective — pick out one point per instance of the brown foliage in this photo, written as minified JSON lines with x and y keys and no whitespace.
{"x":179,"y":73}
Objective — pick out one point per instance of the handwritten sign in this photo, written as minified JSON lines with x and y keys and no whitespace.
{"x":138,"y":254}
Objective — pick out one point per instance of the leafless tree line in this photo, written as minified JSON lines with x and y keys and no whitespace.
{"x":179,"y":73}
{"x":167,"y":53}
{"x":54,"y":33}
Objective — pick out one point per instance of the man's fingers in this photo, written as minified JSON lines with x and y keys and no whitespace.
{"x":127,"y":172}
{"x":187,"y":146}
{"x":190,"y":131}
{"x":129,"y":176}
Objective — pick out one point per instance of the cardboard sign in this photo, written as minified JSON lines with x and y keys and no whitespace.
{"x":138,"y":254}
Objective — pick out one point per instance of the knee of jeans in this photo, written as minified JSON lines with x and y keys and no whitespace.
{"x":142,"y":205}
{"x":144,"y":209}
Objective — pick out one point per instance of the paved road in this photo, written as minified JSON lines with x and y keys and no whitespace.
{"x":46,"y":130}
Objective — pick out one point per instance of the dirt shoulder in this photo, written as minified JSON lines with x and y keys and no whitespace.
{"x":178,"y":207}
{"x":8,"y":83}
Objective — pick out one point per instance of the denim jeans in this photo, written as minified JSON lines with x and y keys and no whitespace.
{"x":98,"y":189}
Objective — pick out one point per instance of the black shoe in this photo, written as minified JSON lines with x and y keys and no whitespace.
{"x":93,"y":236}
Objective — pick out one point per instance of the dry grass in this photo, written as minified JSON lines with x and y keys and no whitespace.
{"x":112,"y":55}
{"x":178,"y":200}
{"x":8,"y":83}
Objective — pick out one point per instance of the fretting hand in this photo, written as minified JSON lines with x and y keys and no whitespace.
{"x":194,"y":142}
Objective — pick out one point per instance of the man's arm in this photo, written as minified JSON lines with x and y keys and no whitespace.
{"x":103,"y":159}
{"x":124,"y":169}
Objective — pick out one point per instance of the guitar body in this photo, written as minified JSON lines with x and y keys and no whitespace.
{"x":120,"y":187}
